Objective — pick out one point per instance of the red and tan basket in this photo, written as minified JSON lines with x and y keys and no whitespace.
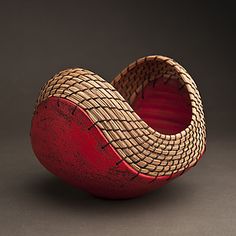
{"x":124,"y":138}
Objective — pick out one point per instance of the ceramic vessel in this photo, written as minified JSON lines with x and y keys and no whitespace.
{"x":124,"y":138}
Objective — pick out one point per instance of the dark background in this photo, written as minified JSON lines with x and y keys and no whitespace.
{"x":40,"y":38}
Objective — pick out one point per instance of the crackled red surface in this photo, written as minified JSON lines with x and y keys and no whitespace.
{"x":64,"y":145}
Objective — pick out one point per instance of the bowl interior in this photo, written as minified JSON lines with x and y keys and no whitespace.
{"x":164,"y":105}
{"x":157,"y":93}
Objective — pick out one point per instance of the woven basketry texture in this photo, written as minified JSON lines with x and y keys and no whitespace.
{"x":109,"y":105}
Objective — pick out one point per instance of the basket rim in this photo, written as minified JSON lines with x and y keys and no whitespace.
{"x":179,"y":69}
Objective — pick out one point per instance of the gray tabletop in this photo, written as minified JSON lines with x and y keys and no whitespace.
{"x":33,"y":202}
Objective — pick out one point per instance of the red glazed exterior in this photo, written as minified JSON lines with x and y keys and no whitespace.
{"x":68,"y":144}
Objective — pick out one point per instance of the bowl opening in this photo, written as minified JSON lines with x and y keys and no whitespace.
{"x":157,"y":93}
{"x":164,"y":105}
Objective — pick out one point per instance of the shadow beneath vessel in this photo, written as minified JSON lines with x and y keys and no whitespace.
{"x":52,"y":190}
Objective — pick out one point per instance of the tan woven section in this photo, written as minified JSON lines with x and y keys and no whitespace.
{"x":108,"y":105}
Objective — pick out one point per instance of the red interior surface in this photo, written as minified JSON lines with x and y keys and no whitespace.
{"x":165,"y":106}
